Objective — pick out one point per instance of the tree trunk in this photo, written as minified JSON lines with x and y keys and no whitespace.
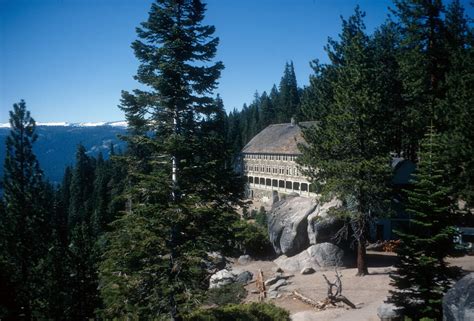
{"x":361,"y":257}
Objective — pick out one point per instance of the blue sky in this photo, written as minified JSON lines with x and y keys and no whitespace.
{"x":69,"y":59}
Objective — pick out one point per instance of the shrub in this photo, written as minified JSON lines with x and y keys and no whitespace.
{"x":253,"y":213}
{"x":252,"y":239}
{"x":245,"y":213}
{"x":261,"y":217}
{"x":241,"y":312}
{"x":227,"y":294}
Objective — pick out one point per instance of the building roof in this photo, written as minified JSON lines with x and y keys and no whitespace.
{"x":278,"y":139}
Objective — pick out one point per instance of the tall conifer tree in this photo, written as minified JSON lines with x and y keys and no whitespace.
{"x":82,"y":180}
{"x":176,"y":192}
{"x":422,"y":275}
{"x":459,"y":102}
{"x":24,"y":224}
{"x":346,"y":153}
{"x":267,"y":111}
{"x":423,"y":61}
{"x":289,"y":97}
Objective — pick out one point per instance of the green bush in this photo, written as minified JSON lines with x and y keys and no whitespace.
{"x":241,"y":312}
{"x":228,"y":294}
{"x":252,"y":239}
{"x":261,"y":217}
{"x":245,"y":213}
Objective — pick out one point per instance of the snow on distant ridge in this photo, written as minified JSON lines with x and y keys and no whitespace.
{"x":89,"y":124}
{"x":84,"y":124}
{"x":61,"y":123}
{"x":118,"y":124}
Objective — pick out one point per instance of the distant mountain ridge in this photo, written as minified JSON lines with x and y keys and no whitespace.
{"x":83,"y":124}
{"x":57,"y":143}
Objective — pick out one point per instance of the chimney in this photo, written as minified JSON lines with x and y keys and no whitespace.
{"x":293,"y":121}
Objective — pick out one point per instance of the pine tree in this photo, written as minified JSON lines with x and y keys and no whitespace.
{"x":317,"y":98}
{"x":235,"y":133}
{"x":386,"y":42}
{"x":422,"y":275}
{"x":346,"y":154}
{"x":176,"y":199}
{"x":82,"y":180}
{"x":23,"y":225}
{"x":459,"y":102}
{"x":82,"y":261}
{"x":423,"y":65}
{"x":267,"y":111}
{"x":54,"y":298}
{"x":101,"y":196}
{"x":289,"y":97}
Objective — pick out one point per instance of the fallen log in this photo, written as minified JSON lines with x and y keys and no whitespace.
{"x":306,"y":300}
{"x":332,"y":298}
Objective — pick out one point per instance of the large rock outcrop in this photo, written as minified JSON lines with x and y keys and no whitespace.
{"x":458,"y":302}
{"x":321,"y":226}
{"x":288,"y":224}
{"x":318,"y":257}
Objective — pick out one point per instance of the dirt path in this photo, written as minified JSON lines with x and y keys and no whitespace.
{"x":367,"y":293}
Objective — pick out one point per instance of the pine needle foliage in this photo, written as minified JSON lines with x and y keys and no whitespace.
{"x":181,"y":187}
{"x":422,"y":275}
{"x":346,"y":156}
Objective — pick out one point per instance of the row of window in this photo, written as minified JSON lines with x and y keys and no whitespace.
{"x":273,"y":170}
{"x":296,"y":186}
{"x":270,"y":157}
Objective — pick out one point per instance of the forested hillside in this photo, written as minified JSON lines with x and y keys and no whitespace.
{"x":56,"y":145}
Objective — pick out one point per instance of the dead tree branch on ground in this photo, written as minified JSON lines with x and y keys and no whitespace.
{"x":332,"y":297}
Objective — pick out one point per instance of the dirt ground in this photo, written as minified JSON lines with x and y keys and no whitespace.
{"x":367,"y":292}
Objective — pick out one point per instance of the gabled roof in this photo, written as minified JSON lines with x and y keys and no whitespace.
{"x":278,"y":139}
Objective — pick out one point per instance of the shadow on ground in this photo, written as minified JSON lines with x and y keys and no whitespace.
{"x":381,"y":260}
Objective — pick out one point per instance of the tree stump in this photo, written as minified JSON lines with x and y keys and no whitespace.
{"x":260,"y":284}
